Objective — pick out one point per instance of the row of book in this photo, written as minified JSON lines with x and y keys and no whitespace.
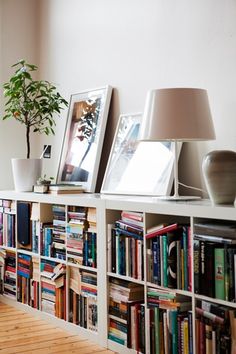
{"x":215,"y":328}
{"x":125,"y":245}
{"x":83,"y":298}
{"x":169,"y":256}
{"x":7,"y":229}
{"x":169,"y":321}
{"x":44,"y":229}
{"x":215,"y":260}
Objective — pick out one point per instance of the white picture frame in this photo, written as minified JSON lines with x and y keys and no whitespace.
{"x":83,"y":138}
{"x":138,"y":168}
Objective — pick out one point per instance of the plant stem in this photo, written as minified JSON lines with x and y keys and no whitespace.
{"x":28,"y":140}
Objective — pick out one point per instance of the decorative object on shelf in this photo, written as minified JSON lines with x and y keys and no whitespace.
{"x":31,"y":103}
{"x":219,"y":171}
{"x":25,"y":173}
{"x":177,"y":114}
{"x":83,"y":139}
{"x":44,"y":180}
{"x":123,"y":173}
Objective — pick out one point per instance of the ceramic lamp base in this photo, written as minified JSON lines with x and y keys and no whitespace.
{"x":219,"y":171}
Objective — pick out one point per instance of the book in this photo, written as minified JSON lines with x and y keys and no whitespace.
{"x":64,"y":186}
{"x":65,"y":191}
{"x":216,"y":239}
{"x":161,"y":231}
{"x":216,"y":228}
{"x":219,"y":273}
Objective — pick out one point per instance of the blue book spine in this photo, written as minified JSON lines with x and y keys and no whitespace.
{"x":24,"y":275}
{"x":130,"y":234}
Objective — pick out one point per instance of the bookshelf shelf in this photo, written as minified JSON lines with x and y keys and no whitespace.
{"x":177,"y":291}
{"x":215,"y":301}
{"x":57,"y":260}
{"x":118,"y":276}
{"x":99,"y":282}
{"x":90,"y":269}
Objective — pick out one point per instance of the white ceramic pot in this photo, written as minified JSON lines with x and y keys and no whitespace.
{"x":219,"y":171}
{"x":25,"y":173}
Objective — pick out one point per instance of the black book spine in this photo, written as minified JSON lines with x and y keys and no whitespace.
{"x":113,"y":251}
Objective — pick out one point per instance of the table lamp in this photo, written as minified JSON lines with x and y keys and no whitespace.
{"x":177,"y":114}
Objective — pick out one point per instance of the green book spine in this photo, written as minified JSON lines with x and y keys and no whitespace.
{"x":174,"y":331}
{"x":219,"y":273}
{"x":157,"y":329}
{"x":165,"y":277}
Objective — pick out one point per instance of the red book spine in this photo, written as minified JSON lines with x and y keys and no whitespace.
{"x":202,"y":337}
{"x":162,"y":231}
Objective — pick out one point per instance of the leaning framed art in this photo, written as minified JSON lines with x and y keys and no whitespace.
{"x":135,"y":167}
{"x":83,"y":138}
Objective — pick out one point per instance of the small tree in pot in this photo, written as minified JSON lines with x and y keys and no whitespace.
{"x":32,"y":103}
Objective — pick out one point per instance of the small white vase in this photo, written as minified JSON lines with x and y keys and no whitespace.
{"x":219,"y":171}
{"x":25,"y":173}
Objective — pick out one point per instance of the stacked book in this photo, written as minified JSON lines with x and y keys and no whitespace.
{"x":24,"y":274}
{"x":77,"y":224}
{"x":92,"y":220}
{"x":9,"y":287}
{"x":169,"y":321}
{"x":83,"y":298}
{"x":215,"y":328}
{"x":59,"y":232}
{"x":65,"y":189}
{"x":169,"y":256}
{"x":126,"y":314}
{"x":215,"y":259}
{"x":125,"y":245}
{"x":53,"y":288}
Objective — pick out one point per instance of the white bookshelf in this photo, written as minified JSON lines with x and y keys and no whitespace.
{"x":108,"y":208}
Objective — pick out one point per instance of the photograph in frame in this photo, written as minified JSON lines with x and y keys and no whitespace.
{"x":83,"y":138}
{"x":137,"y":168}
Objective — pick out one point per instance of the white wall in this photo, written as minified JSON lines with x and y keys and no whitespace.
{"x":18,"y":24}
{"x":136,"y":45}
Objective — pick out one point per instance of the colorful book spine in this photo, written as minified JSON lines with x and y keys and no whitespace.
{"x":219,"y":273}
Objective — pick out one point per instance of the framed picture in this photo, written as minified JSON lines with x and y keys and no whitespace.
{"x":138,"y":168}
{"x":83,"y":138}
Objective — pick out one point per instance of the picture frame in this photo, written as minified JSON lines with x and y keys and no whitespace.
{"x":138,"y":168}
{"x":83,"y":137}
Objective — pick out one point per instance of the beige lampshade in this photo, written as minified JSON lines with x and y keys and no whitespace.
{"x":177,"y":114}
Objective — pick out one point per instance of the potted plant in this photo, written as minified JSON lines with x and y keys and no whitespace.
{"x":32,"y":103}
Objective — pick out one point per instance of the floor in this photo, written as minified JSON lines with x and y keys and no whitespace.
{"x":21,"y":332}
